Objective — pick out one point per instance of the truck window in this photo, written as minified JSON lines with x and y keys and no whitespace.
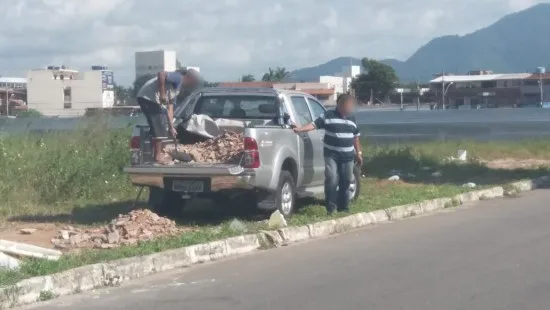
{"x":302,"y":110}
{"x":316,"y":108}
{"x":237,"y":107}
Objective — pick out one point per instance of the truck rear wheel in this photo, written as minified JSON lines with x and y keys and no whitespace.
{"x":285,"y":197}
{"x":166,"y":203}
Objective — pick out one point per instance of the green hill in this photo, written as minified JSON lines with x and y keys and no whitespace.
{"x":518,"y":42}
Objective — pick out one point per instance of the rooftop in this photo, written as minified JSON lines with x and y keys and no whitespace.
{"x":536,"y":76}
{"x":13,"y":80}
{"x":481,"y":78}
{"x":247,"y":84}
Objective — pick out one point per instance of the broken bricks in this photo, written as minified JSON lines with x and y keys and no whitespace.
{"x":226,"y":148}
{"x":126,"y":229}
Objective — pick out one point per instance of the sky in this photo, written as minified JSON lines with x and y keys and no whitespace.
{"x":229,"y":38}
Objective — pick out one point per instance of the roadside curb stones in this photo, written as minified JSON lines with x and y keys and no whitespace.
{"x":87,"y":278}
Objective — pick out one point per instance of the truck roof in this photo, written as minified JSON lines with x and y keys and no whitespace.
{"x":250,"y":91}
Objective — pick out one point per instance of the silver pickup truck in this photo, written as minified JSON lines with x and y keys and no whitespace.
{"x":277,"y":166}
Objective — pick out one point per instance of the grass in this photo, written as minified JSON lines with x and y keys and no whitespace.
{"x":41,"y":173}
{"x":377,"y":195}
{"x":77,"y":177}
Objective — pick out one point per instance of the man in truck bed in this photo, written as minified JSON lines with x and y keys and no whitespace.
{"x":163,"y":90}
{"x":341,"y":147}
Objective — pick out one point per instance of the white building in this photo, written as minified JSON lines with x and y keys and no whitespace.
{"x":57,"y":91}
{"x":341,"y":81}
{"x":13,"y":82}
{"x":152,"y":62}
{"x":198,"y":69}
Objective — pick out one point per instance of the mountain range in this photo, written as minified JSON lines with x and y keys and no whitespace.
{"x":519,"y":42}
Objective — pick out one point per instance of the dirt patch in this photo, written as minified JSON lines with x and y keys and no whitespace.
{"x":387,"y":183}
{"x":511,"y":164}
{"x":126,"y":229}
{"x":41,"y":237}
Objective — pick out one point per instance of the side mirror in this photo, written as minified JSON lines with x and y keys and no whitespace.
{"x":286,"y":118}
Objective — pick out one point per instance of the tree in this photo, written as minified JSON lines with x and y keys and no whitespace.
{"x":248,"y":78}
{"x":123,"y":95}
{"x":139,"y":82}
{"x":276,"y":75}
{"x":379,"y":78}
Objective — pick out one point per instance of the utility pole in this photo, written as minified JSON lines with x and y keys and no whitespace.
{"x":442,"y":89}
{"x":402,"y":107}
{"x":541,"y":85}
{"x":417,"y":96}
{"x":7,"y":103}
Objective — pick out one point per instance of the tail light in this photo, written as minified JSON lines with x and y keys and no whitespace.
{"x":135,"y":142}
{"x":251,"y":157}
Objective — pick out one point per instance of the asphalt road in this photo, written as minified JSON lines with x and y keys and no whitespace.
{"x":494,"y":256}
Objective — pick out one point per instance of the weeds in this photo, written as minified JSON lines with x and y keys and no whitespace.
{"x":54,"y":172}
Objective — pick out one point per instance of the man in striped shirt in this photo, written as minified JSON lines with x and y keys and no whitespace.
{"x":341,"y":148}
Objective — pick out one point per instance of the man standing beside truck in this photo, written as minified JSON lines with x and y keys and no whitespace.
{"x":163,"y":90}
{"x":342,"y":149}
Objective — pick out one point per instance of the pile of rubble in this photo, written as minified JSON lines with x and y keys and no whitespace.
{"x":226,"y":148}
{"x":126,"y":229}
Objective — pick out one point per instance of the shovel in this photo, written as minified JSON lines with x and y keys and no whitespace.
{"x":179,"y":156}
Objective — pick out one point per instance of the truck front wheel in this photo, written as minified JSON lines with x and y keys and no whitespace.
{"x":285,"y":197}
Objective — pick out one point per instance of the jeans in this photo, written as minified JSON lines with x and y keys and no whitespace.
{"x":337,"y":175}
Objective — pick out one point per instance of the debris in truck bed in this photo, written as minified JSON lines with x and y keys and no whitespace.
{"x":226,"y":148}
{"x":126,"y":229}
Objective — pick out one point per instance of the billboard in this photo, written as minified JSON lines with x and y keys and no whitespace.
{"x":107,"y":80}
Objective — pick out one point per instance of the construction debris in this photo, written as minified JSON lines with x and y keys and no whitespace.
{"x":394,"y":178}
{"x":126,"y":229}
{"x":8,"y":262}
{"x":27,"y":231}
{"x":27,"y":250}
{"x":277,"y":220}
{"x":226,"y":148}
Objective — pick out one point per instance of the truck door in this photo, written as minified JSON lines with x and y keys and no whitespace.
{"x":317,"y":137}
{"x":303,"y":117}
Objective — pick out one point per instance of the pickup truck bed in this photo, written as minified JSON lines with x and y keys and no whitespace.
{"x":186,"y":178}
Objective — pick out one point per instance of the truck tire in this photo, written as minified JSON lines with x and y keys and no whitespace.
{"x":285,"y":197}
{"x":166,"y":203}
{"x":355,"y":186}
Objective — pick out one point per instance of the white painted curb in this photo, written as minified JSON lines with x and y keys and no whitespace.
{"x":87,"y":278}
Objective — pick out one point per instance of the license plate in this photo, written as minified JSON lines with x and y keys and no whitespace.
{"x":188,"y":186}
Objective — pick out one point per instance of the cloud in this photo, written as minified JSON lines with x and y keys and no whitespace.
{"x":228,"y":38}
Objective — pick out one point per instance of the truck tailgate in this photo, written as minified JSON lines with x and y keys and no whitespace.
{"x":191,"y":177}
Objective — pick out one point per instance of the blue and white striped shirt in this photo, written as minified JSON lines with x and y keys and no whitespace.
{"x":340,"y":133}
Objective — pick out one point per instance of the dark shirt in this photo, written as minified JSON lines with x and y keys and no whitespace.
{"x":340,"y":133}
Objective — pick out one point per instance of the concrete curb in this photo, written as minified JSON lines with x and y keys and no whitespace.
{"x":87,"y":278}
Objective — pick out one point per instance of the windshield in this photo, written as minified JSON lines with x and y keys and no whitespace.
{"x":237,"y":107}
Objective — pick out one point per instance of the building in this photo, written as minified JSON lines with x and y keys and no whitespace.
{"x":13,"y":83}
{"x":484,"y":88}
{"x":321,"y":91}
{"x":13,"y":95}
{"x":152,"y":62}
{"x":198,"y":69}
{"x":341,"y":81}
{"x":58,"y":91}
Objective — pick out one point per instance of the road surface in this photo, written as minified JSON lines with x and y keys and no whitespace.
{"x":494,"y":256}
